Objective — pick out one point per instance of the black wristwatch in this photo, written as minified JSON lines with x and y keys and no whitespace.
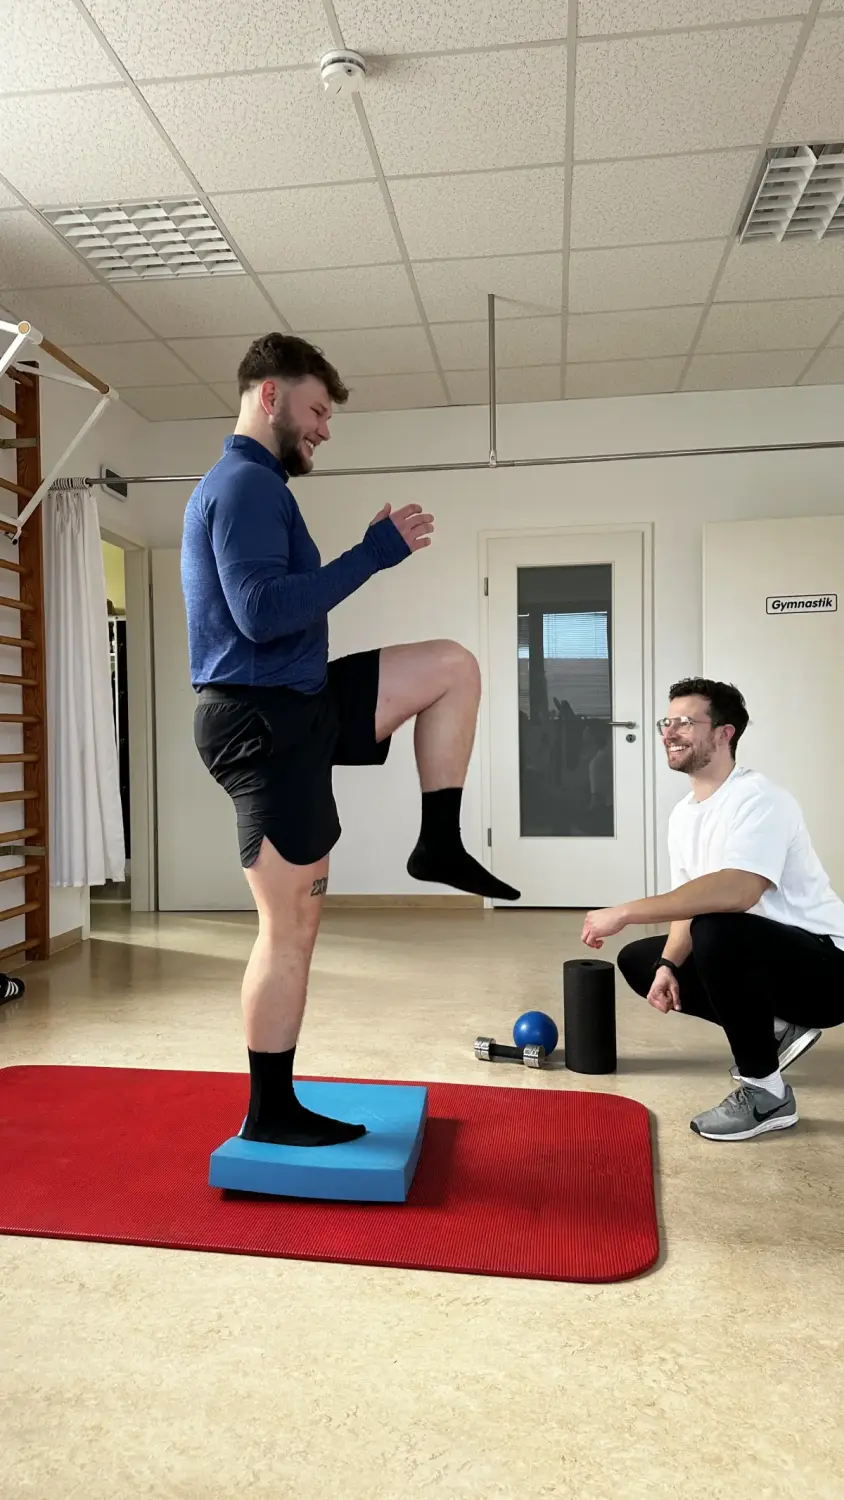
{"x":667,"y":963}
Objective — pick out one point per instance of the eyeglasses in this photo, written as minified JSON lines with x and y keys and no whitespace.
{"x":683,"y":722}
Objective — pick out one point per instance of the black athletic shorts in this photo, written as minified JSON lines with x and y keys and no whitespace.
{"x":273,"y":750}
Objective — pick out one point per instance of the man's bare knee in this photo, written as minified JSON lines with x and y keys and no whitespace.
{"x":459,"y":666}
{"x":288,"y":897}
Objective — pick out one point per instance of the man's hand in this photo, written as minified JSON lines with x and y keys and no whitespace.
{"x":664,"y":993}
{"x":603,"y":924}
{"x":414,"y":525}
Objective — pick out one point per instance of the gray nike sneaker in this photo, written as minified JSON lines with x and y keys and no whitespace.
{"x":794,"y":1041}
{"x":747,"y":1112}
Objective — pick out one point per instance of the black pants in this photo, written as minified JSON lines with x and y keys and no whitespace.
{"x":742,"y":972}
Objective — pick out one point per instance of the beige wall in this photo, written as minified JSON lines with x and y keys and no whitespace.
{"x":115,"y":576}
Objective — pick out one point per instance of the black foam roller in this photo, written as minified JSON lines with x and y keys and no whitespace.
{"x":589,"y":1015}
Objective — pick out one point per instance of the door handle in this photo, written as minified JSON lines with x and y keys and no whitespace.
{"x":621,"y":723}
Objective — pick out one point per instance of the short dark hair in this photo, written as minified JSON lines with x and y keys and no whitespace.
{"x":286,"y":357}
{"x":726,"y":704}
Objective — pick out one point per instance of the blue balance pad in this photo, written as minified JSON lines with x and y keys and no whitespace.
{"x":377,"y":1168}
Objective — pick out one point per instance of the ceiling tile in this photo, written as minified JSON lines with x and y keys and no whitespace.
{"x":48,"y":45}
{"x":473,"y":111}
{"x":521,"y":341}
{"x":496,"y":213}
{"x":174,"y":403}
{"x":395,"y":392}
{"x":356,"y":297}
{"x":523,"y":286}
{"x":124,"y":156}
{"x":136,"y":364}
{"x":791,"y":269}
{"x":299,"y":229}
{"x":603,"y":17}
{"x":383,"y":29}
{"x":827,"y":369}
{"x":814,"y":106}
{"x":78,"y":315}
{"x":733,"y":372}
{"x":642,"y":276}
{"x":214,"y":359}
{"x":676,"y":198}
{"x":229,"y":395}
{"x":679,"y":92}
{"x":31,"y":255}
{"x":376,"y":351}
{"x":629,"y":377}
{"x":631,"y":335}
{"x":218,"y":123}
{"x":184,"y":309}
{"x":738,"y":326}
{"x":537,"y":383}
{"x":209,"y":36}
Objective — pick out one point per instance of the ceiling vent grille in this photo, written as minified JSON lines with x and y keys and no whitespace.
{"x":148,"y":241}
{"x":800,"y":195}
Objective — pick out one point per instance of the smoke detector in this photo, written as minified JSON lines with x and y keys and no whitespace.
{"x":342,"y":72}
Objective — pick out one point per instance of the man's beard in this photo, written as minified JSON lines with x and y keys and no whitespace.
{"x":692,"y":760}
{"x":289,"y":443}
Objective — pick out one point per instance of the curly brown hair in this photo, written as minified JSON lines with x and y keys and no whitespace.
{"x":289,"y":358}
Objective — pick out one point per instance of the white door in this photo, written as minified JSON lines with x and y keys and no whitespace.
{"x":566,"y":691}
{"x":773,"y":612}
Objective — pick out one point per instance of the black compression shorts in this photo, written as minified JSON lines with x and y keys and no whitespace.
{"x":273,"y":750}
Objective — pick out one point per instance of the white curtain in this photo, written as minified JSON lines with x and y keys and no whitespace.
{"x":86,"y":819}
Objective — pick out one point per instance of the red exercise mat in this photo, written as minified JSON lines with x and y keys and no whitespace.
{"x":542,"y":1183}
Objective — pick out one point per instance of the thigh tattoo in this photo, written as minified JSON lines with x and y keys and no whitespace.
{"x":320,"y":886}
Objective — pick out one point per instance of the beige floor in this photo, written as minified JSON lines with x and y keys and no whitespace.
{"x":130,"y":1373}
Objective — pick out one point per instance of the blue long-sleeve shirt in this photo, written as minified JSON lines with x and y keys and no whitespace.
{"x":256,"y":596}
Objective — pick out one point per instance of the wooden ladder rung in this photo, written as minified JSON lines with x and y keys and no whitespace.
{"x":25,"y":758}
{"x":18,"y":948}
{"x":21,"y":796}
{"x":19,"y":911}
{"x":14,"y":603}
{"x":18,"y":871}
{"x":17,"y":835}
{"x":17,"y":640}
{"x":19,"y":719}
{"x":12,"y":567}
{"x":15,"y":489}
{"x":21,"y":681}
{"x":11,"y":416}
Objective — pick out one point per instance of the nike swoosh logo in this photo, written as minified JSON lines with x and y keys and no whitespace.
{"x":760,"y":1119}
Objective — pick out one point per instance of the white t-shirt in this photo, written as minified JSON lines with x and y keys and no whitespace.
{"x":750,"y":824}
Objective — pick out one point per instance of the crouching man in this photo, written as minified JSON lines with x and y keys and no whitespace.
{"x":756,"y":935}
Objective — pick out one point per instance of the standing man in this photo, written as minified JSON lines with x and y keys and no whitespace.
{"x":756,"y":941}
{"x":274,"y":716}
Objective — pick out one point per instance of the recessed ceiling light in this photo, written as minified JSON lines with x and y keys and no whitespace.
{"x":800,"y":195}
{"x":148,"y":240}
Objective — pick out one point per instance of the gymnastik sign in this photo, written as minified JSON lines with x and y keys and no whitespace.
{"x":801,"y":604}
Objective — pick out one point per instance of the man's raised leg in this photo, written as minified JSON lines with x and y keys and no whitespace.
{"x":439,"y":684}
{"x":289,"y":899}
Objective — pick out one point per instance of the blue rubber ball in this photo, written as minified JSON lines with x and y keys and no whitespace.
{"x":535,"y":1029}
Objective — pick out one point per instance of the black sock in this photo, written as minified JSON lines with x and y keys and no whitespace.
{"x":275,"y":1114}
{"x":439,"y":855}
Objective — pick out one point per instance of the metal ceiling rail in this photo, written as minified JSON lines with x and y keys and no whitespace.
{"x":494,"y":462}
{"x":506,"y":463}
